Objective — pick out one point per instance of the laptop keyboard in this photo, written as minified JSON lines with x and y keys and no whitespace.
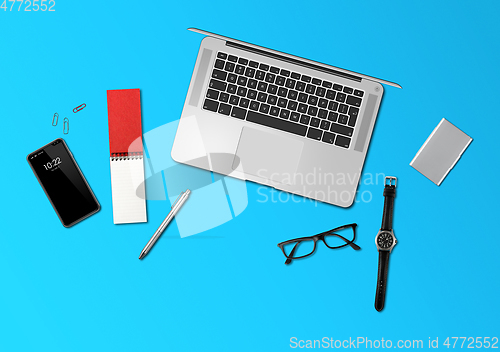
{"x":288,"y":101}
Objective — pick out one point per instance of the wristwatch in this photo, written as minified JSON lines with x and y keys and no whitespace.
{"x":385,"y":241}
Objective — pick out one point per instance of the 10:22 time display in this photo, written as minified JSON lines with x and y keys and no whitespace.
{"x":42,"y":5}
{"x":51,"y":165}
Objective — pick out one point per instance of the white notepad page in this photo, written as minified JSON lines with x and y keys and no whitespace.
{"x":127,"y":180}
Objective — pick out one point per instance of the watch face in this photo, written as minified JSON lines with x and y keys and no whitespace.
{"x":385,"y":240}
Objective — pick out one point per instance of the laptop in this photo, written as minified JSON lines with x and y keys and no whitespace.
{"x":260,"y":115}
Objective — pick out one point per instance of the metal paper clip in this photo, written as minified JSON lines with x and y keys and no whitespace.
{"x":55,"y":119}
{"x":80,"y":107}
{"x":66,"y":126}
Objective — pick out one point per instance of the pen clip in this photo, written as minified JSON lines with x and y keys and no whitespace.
{"x":180,"y":195}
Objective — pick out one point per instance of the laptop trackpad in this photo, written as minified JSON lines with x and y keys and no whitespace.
{"x":268,"y":155}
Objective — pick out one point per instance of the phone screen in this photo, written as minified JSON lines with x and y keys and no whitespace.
{"x":63,"y":182}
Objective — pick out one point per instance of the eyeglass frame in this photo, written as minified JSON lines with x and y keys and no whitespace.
{"x":316,"y":238}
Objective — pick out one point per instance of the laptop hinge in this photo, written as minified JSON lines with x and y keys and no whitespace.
{"x":294,"y":61}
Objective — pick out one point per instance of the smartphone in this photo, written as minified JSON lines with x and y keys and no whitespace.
{"x":63,"y":182}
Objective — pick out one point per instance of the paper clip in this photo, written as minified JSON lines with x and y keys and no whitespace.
{"x":80,"y":107}
{"x":55,"y":119}
{"x":66,"y":126}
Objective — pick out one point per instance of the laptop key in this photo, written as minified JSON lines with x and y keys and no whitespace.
{"x":219,"y":64}
{"x":342,"y":141}
{"x":264,"y":108}
{"x":343,"y":119}
{"x":212,"y":94}
{"x":323,"y":103}
{"x":252,"y":83}
{"x":328,"y":137}
{"x":314,"y":133}
{"x":312,"y":111}
{"x":231,"y":89}
{"x":310,"y":89}
{"x":254,"y":105}
{"x":224,"y":109}
{"x":244,"y":102}
{"x":302,"y":97}
{"x":348,"y":90}
{"x":327,"y":84}
{"x":333,"y":105}
{"x":340,"y":97}
{"x":285,"y":114}
{"x":211,"y":105}
{"x":313,"y":100}
{"x":234,"y":100}
{"x":262,"y":86}
{"x":272,"y":100}
{"x":343,"y":130}
{"x":337,"y":87}
{"x":314,"y":122}
{"x":352,"y":100}
{"x":232,"y":78}
{"x":292,"y":105}
{"x":343,"y":108}
{"x":250,"y":72}
{"x":274,"y":111}
{"x":292,"y":94}
{"x":352,"y":121}
{"x":282,"y":102}
{"x":224,"y":97}
{"x":282,"y":92}
{"x":221,"y":55}
{"x":272,"y":89}
{"x":262,"y":97}
{"x":294,"y":116}
{"x":306,"y":79}
{"x":232,"y":58}
{"x":260,"y":75}
{"x":290,"y":83}
{"x":285,"y":73}
{"x":240,"y":69}
{"x":242,"y":81}
{"x":316,"y":81}
{"x":324,"y":125}
{"x":239,"y":113}
{"x":322,"y":113}
{"x":280,"y":80}
{"x":243,"y":61}
{"x":270,"y":77}
{"x":353,"y":112}
{"x":302,"y":108}
{"x":253,"y":64}
{"x":300,"y":86}
{"x":279,"y":124}
{"x":252,"y":94}
{"x":295,"y":75}
{"x":330,"y":94}
{"x":241,"y":91}
{"x":358,"y":93}
{"x":320,"y":91}
{"x":217,"y":85}
{"x":264,"y":67}
{"x":333,"y":116}
{"x":229,"y":66}
{"x":305,"y":119}
{"x":274,"y":69}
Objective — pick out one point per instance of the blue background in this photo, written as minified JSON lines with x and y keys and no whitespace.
{"x":83,"y":289}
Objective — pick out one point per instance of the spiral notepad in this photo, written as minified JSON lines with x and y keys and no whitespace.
{"x":126,"y":156}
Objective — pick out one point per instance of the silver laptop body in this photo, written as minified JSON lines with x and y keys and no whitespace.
{"x":245,"y":118}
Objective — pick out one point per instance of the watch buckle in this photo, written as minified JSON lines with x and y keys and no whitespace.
{"x":390,"y":178}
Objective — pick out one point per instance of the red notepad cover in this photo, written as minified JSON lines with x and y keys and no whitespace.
{"x":124,"y":122}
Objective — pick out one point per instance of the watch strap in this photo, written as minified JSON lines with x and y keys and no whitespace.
{"x":383,"y":264}
{"x":389,"y":195}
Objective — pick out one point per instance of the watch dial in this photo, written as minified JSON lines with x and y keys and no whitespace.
{"x":385,"y":240}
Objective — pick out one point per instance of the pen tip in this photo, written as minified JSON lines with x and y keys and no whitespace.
{"x":141,"y":256}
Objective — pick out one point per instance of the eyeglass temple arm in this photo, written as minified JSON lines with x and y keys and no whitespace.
{"x":352,"y":244}
{"x":289,"y":260}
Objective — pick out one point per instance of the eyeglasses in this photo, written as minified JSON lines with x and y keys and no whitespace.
{"x":305,"y":246}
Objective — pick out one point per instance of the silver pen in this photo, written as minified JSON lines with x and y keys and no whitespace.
{"x":175,"y":208}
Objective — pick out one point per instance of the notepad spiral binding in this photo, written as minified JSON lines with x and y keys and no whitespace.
{"x":126,"y":156}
